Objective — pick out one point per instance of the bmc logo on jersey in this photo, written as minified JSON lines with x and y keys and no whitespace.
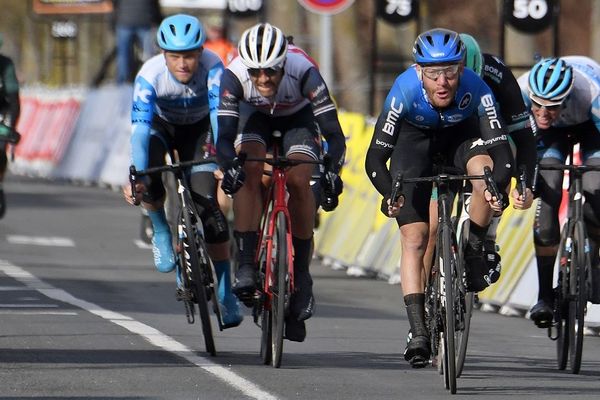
{"x":392,"y":117}
{"x":490,"y":110}
{"x":465,"y":101}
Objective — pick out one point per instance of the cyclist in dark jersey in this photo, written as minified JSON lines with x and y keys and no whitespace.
{"x":272,"y":87}
{"x":432,"y":115}
{"x":174,"y":106}
{"x":9,"y":115}
{"x":518,"y":123}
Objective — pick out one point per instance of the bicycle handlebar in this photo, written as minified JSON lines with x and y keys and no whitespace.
{"x":440,"y":178}
{"x":134,"y":174}
{"x":576,"y":169}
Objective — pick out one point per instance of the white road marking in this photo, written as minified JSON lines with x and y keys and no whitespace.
{"x":141,"y":244}
{"x":152,"y":335}
{"x":28,"y":305}
{"x":21,"y":312}
{"x":41,"y":240}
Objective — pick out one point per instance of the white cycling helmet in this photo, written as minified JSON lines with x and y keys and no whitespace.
{"x":263,"y":46}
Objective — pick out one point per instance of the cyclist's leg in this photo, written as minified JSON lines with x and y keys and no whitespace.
{"x":253,"y":140}
{"x":470,"y":154}
{"x":153,"y":202}
{"x":546,"y":229}
{"x":413,"y":159}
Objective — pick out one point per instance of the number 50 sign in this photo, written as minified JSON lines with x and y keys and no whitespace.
{"x":531,"y":16}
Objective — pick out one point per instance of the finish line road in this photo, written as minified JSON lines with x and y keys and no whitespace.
{"x":84,"y":315}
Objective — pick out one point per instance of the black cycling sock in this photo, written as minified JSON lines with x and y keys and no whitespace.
{"x":302,"y":254}
{"x":477,"y":235}
{"x":545,"y":268}
{"x":415,"y":310}
{"x":246,"y":244}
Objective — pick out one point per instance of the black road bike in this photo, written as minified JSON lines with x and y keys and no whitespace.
{"x":199,"y":283}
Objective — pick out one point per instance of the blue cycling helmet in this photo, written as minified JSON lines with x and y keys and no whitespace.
{"x":438,"y":46}
{"x":180,"y":32}
{"x":551,"y":79}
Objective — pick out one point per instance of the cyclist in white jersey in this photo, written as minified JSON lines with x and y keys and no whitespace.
{"x":564,"y":96}
{"x":175,"y":103}
{"x":268,"y":88}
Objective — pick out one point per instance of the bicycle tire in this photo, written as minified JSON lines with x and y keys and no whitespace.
{"x":281,"y":291}
{"x":448,"y":269}
{"x":561,"y":306}
{"x":211,"y":282}
{"x":466,"y":301}
{"x":578,"y":302}
{"x":192,"y":259}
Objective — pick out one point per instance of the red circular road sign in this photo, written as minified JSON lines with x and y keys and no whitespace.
{"x":327,"y":7}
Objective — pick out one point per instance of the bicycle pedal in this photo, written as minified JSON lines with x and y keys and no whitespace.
{"x":419,"y":362}
{"x":543,"y":324}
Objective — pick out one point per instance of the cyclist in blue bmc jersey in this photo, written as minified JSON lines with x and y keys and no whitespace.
{"x":564,"y":96}
{"x":271,"y":87}
{"x":175,"y":101}
{"x":432,"y":114}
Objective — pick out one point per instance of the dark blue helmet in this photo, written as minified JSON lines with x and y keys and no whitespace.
{"x":438,"y":46}
{"x":180,"y":32}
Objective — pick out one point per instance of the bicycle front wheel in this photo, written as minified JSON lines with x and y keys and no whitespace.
{"x":561,"y":302}
{"x":578,"y":302}
{"x":449,"y":268}
{"x":281,"y":288}
{"x":192,"y":262}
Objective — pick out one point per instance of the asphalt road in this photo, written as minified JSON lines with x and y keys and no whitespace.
{"x":84,"y":315}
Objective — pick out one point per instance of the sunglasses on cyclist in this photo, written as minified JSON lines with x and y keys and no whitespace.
{"x":537,"y":104}
{"x":270,"y":72}
{"x":449,"y":71}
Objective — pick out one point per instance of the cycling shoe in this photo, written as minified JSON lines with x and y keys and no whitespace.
{"x":541,"y":314}
{"x":162,"y":249}
{"x":418,"y":351}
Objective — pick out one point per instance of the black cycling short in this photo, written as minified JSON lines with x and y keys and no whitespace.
{"x":192,"y":142}
{"x":300,"y":131}
{"x":553,"y":148}
{"x":417,"y":150}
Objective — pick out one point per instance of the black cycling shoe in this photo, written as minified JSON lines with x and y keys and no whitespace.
{"x":492,"y":259}
{"x":295,"y":330}
{"x":476,"y":270}
{"x":541,"y":314}
{"x":418,"y":351}
{"x":244,"y":284}
{"x":302,"y":303}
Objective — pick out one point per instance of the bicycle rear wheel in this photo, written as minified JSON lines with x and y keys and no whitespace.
{"x":192,"y":262}
{"x":281,"y":288}
{"x":449,"y":278}
{"x":578,"y":298}
{"x":465,"y":301}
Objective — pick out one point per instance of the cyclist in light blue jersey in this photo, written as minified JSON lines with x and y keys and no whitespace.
{"x":175,"y":100}
{"x":437,"y":112}
{"x":564,"y":97}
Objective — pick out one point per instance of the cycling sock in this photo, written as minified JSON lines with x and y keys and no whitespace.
{"x":302,"y":254}
{"x":159,"y":220}
{"x":545,"y":268}
{"x":477,"y":235}
{"x":246,"y":244}
{"x":415,"y":310}
{"x":492,"y":228}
